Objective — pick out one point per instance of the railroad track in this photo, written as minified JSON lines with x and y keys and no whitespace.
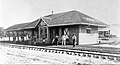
{"x":83,"y":53}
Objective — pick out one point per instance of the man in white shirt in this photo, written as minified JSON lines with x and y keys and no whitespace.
{"x":64,"y":40}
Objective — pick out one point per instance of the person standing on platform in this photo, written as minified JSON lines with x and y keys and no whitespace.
{"x":74,"y":39}
{"x":55,"y":40}
{"x":64,"y":40}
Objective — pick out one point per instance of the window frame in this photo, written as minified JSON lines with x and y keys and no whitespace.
{"x":88,"y":30}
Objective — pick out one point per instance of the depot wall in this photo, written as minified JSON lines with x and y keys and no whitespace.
{"x":88,"y":38}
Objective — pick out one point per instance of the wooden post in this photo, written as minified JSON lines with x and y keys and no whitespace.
{"x":53,"y":33}
{"x":60,"y":32}
{"x":13,"y":36}
{"x":22,"y":35}
{"x":9,"y":35}
{"x":48,"y":35}
{"x":26,"y":35}
{"x":31,"y":36}
{"x":39,"y":33}
{"x":18,"y":37}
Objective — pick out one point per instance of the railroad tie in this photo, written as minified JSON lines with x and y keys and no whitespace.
{"x":79,"y":54}
{"x":118,"y":59}
{"x":28,"y":48}
{"x":23,"y":47}
{"x":38,"y":49}
{"x":67,"y":52}
{"x":76,"y":54}
{"x":111,"y":58}
{"x":89,"y":55}
{"x":50,"y":51}
{"x":71,"y":53}
{"x":43,"y":50}
{"x":61,"y":52}
{"x":55,"y":51}
{"x":32,"y":48}
{"x":35,"y":49}
{"x":96,"y":56}
{"x":58,"y":51}
{"x":84,"y":55}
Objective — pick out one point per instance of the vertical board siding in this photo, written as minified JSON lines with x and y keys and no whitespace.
{"x":85,"y":38}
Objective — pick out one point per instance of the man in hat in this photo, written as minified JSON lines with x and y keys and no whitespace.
{"x":74,"y":39}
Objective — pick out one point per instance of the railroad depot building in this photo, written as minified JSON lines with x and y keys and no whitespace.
{"x":47,"y":27}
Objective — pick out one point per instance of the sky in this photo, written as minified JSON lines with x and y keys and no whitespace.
{"x":22,"y":11}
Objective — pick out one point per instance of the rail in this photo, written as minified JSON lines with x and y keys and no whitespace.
{"x":98,"y":55}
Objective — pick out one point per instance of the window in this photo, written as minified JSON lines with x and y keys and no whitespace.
{"x":45,"y":32}
{"x":88,"y":30}
{"x":41,"y":31}
{"x":66,"y":31}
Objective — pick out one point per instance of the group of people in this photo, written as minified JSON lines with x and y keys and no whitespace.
{"x":64,"y":38}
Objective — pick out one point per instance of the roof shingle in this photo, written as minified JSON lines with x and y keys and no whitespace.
{"x":64,"y":18}
{"x":22,"y":26}
{"x":72,"y":17}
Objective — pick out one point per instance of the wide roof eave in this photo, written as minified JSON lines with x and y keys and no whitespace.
{"x":19,"y":29}
{"x":104,"y":26}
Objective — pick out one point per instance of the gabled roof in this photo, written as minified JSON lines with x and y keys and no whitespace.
{"x":72,"y":17}
{"x":22,"y":26}
{"x":59,"y":19}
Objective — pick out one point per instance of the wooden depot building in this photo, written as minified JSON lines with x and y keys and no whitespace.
{"x":47,"y":27}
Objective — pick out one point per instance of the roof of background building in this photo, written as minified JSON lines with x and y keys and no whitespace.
{"x":64,"y":18}
{"x":71,"y":17}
